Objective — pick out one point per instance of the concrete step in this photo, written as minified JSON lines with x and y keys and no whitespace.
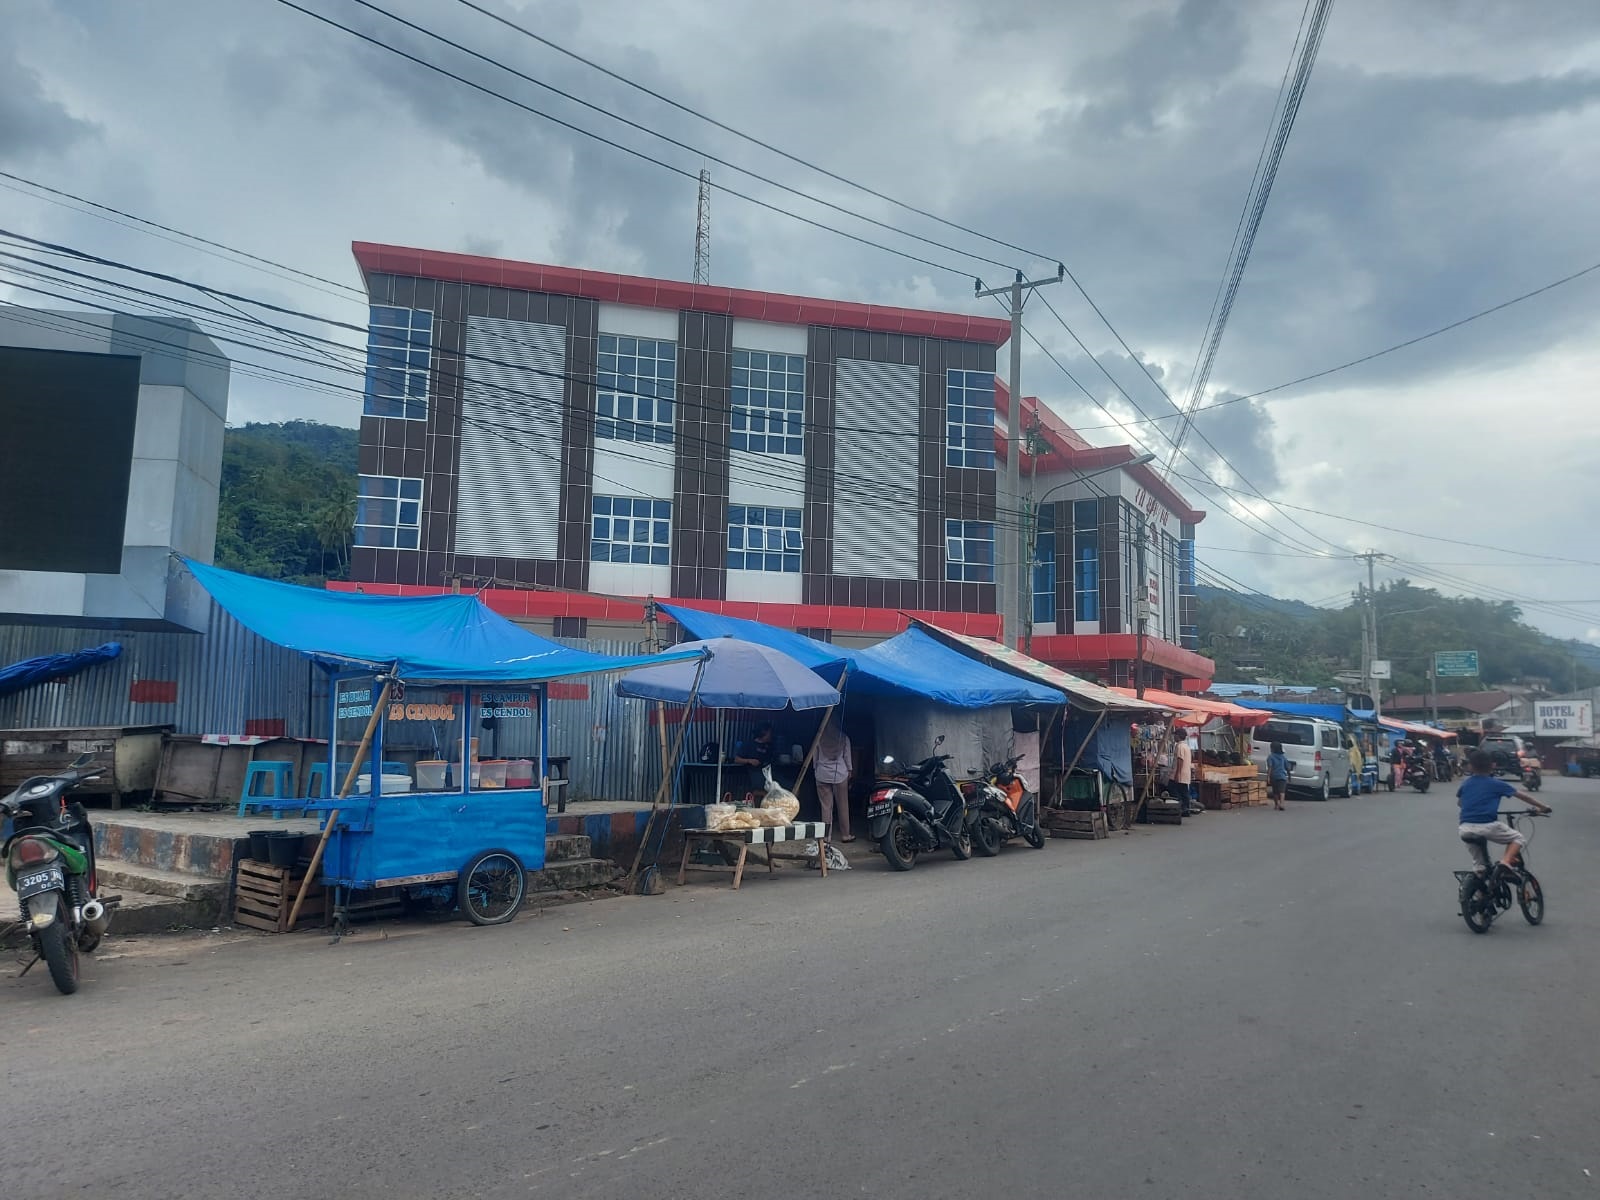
{"x":573,"y":874}
{"x":141,"y":842}
{"x":138,"y":913}
{"x":566,"y":847}
{"x":181,"y":885}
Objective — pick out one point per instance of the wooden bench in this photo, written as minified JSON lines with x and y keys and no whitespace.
{"x":802,"y":831}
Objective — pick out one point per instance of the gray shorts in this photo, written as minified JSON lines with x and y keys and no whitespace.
{"x":1494,"y":831}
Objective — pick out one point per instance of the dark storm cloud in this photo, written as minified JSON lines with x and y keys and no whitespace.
{"x":33,"y":124}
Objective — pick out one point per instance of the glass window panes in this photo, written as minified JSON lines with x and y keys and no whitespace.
{"x":768,"y":402}
{"x":763,"y":539}
{"x":423,"y":727}
{"x":1044,"y":566}
{"x":636,"y":389}
{"x":388,"y":512}
{"x":399,"y":351}
{"x":504,"y":731}
{"x":631,"y":529}
{"x":969,"y":551}
{"x":969,"y":419}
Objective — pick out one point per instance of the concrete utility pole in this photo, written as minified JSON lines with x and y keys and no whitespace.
{"x":1141,"y":608}
{"x":1011,"y":570}
{"x":1372,"y":557}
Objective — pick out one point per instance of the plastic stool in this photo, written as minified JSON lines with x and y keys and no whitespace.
{"x":317,"y":781}
{"x":281,"y":777}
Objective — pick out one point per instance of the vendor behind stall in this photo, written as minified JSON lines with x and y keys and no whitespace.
{"x":756,"y":753}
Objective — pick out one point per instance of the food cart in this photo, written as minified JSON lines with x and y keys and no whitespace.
{"x":438,"y":760}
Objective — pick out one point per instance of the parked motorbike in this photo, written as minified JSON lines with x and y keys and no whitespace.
{"x":50,"y":865}
{"x":919,"y":811}
{"x":1006,"y":809}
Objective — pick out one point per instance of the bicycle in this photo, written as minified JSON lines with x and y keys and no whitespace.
{"x":1488,"y":891}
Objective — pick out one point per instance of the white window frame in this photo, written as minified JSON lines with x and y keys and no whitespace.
{"x":405,"y":518}
{"x":743,"y":528}
{"x":399,"y":358}
{"x":963,"y":418}
{"x":756,"y":407}
{"x":959,"y":566}
{"x":628,"y":379}
{"x":654,"y":548}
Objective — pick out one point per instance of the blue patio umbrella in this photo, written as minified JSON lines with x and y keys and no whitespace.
{"x":735,"y":674}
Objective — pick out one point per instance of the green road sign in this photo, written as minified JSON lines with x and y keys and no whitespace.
{"x":1455,"y":662}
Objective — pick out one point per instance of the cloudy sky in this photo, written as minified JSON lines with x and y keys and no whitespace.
{"x":1442,"y":163}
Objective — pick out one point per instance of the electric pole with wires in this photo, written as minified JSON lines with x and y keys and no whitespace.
{"x":1012,"y":568}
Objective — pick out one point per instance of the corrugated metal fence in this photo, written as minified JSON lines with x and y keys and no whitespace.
{"x":228,"y":680}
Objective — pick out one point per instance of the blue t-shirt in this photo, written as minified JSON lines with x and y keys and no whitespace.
{"x":1277,"y":766}
{"x":1480,"y":797}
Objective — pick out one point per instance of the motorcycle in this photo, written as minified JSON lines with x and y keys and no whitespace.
{"x":920,"y":811}
{"x":1532,"y":773}
{"x":1006,"y":809}
{"x":1419,"y":775}
{"x":50,"y":865}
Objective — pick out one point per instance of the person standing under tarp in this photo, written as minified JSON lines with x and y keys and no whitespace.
{"x":1179,"y":784}
{"x":832,"y":773}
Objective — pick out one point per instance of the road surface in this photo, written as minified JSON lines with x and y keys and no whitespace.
{"x":1257,"y":1005}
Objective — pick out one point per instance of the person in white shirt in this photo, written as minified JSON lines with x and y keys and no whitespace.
{"x":832,"y":773}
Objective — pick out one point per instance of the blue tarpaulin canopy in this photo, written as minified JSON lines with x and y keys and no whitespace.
{"x":914,"y":664}
{"x":827,"y":661}
{"x":30,"y":671}
{"x":910,"y":664}
{"x":737,"y":674}
{"x":442,"y":639}
{"x":1337,"y":713}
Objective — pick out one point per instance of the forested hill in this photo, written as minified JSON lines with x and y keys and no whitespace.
{"x":288,"y":501}
{"x":1260,"y":637}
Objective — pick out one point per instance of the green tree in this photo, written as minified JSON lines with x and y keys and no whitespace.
{"x":287,"y":501}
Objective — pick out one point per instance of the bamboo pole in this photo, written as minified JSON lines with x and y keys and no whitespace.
{"x":1082,"y":746}
{"x":349,"y":782}
{"x":666,"y":775}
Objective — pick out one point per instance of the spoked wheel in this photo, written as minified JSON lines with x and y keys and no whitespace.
{"x":1530,"y":896}
{"x":896,"y":845}
{"x":492,"y":888}
{"x":60,"y":954}
{"x":986,"y":837}
{"x":962,"y":846}
{"x":1477,"y":904}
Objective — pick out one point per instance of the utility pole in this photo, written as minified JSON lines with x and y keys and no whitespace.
{"x":1372,"y":557}
{"x":1011,"y":569}
{"x":1433,"y":688}
{"x":1141,"y":608}
{"x":702,"y":230}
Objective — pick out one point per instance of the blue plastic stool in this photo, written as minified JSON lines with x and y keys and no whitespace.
{"x":317,"y":781}
{"x":280,"y":775}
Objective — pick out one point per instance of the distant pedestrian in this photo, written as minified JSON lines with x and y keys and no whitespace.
{"x":832,"y":772}
{"x":1178,"y":786}
{"x":1278,"y":768}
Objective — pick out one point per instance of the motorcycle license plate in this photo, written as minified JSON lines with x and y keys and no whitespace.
{"x":49,"y":879}
{"x":880,"y":808}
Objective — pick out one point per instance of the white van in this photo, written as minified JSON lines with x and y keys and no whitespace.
{"x":1317,"y":749}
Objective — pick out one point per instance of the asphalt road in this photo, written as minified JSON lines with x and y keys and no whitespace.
{"x":1257,"y":1005}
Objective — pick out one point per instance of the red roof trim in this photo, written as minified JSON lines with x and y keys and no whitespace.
{"x":1121,"y":647}
{"x":674,"y":295}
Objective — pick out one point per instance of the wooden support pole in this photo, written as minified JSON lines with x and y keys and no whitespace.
{"x":1082,"y":746}
{"x":349,"y":782}
{"x":666,"y":775}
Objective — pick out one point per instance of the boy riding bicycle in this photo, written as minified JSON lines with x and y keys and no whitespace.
{"x":1480,"y":795}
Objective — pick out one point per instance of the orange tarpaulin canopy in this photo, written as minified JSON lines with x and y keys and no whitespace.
{"x":1196,"y":711}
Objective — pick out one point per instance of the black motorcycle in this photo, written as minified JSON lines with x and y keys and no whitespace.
{"x":1007,"y":809}
{"x":50,"y":864}
{"x":1419,"y":774}
{"x":919,"y":811}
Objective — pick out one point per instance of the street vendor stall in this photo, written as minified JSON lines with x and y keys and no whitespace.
{"x":419,"y":689}
{"x":737,"y":675}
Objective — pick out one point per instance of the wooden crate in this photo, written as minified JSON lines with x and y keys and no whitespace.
{"x":264,"y":897}
{"x":1165,"y":812}
{"x":1083,"y":826}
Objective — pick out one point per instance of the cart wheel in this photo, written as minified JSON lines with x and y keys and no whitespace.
{"x":492,"y":888}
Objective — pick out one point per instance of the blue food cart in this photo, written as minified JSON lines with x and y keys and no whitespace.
{"x":438,"y":754}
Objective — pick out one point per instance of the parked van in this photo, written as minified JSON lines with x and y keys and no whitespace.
{"x":1318,"y":750}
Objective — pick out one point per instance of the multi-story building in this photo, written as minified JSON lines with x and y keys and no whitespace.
{"x":576,"y":440}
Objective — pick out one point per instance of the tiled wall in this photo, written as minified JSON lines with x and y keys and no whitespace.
{"x":430,"y":449}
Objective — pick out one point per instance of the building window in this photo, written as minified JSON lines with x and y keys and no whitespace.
{"x":634,"y":389}
{"x":969,"y":419}
{"x":1086,"y":561}
{"x":763,"y":539}
{"x":630,"y":529}
{"x":1044,"y":566}
{"x":969,"y":551}
{"x":388,"y":512}
{"x":769,"y":402}
{"x":399,"y":342}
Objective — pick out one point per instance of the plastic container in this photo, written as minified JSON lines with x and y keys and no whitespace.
{"x":492,"y":774}
{"x":519,"y":773}
{"x":391,"y":784}
{"x":258,"y":843}
{"x":430,"y":774}
{"x":283,"y":848}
